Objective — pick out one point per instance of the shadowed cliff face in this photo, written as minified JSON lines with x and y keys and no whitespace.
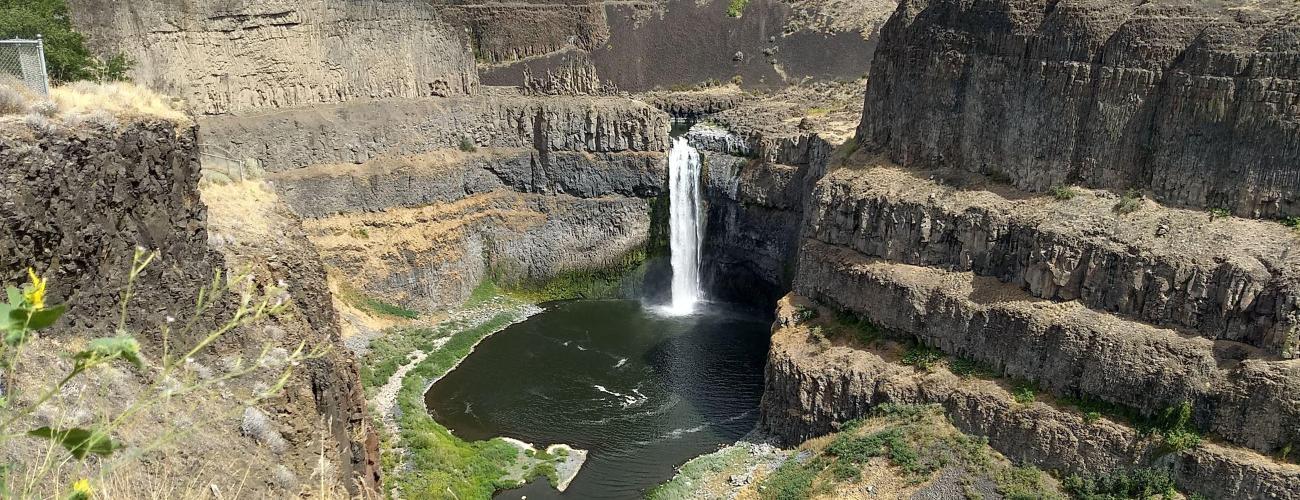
{"x":1194,"y":101}
{"x":663,"y":43}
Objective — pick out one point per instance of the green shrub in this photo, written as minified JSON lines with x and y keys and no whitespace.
{"x":66,"y":56}
{"x":1063,"y":193}
{"x":859,"y":328}
{"x":467,"y":145}
{"x":1129,"y":203}
{"x":1144,"y":483}
{"x":1022,"y":483}
{"x":1174,"y":426}
{"x":1024,"y":392}
{"x":803,"y":314}
{"x":736,"y":7}
{"x":1291,"y":222}
{"x":967,"y":368}
{"x":1216,"y":213}
{"x":791,"y":481}
{"x":922,"y":356}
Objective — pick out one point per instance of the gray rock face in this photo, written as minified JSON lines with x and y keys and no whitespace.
{"x":446,"y":176}
{"x":755,"y":209}
{"x":77,"y":202}
{"x":811,"y":386}
{"x":224,"y":57}
{"x":1193,"y":101}
{"x":358,"y":132}
{"x":1221,"y":279}
{"x":1064,"y":347}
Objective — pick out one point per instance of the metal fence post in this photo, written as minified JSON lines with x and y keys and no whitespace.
{"x":40,"y":49}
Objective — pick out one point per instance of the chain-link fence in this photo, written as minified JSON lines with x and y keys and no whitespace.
{"x":24,"y":60}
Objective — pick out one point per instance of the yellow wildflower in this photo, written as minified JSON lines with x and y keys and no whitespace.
{"x":80,"y":489}
{"x":35,"y":294}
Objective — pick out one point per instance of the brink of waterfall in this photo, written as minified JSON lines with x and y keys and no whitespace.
{"x":685,"y":224}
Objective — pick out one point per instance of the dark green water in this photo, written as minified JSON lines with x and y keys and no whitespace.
{"x":641,"y":391}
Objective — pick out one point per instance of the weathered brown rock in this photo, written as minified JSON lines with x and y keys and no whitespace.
{"x":224,"y":57}
{"x":1194,"y":101}
{"x":77,"y":200}
{"x":810,"y":386}
{"x":1064,"y":347}
{"x":357,"y":132}
{"x":1221,"y":278}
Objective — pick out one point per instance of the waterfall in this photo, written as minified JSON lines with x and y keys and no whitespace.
{"x":685,"y":229}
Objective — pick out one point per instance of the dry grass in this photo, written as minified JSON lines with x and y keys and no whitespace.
{"x":79,"y":103}
{"x":121,"y":99}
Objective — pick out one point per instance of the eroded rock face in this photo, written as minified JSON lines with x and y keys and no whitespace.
{"x":1194,"y":101}
{"x":77,"y":201}
{"x":755,"y":209}
{"x":224,"y":57}
{"x":357,"y":132}
{"x":1064,"y":347}
{"x":811,"y":385}
{"x":1218,"y":278}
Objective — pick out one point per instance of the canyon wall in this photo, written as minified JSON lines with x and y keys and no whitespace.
{"x":1086,"y":314}
{"x":642,"y":45}
{"x":1195,"y":102}
{"x":418,"y":201}
{"x":225,"y":57}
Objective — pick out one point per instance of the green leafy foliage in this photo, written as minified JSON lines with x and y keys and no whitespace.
{"x":735,"y":8}
{"x":1144,"y":483}
{"x":1217,"y":213}
{"x":1024,"y":391}
{"x":791,"y":481}
{"x":67,"y":57}
{"x":859,"y":328}
{"x":467,"y":145}
{"x":123,"y":347}
{"x":967,"y":368}
{"x":1129,"y":203}
{"x":1063,"y":193}
{"x":360,"y":300}
{"x":1174,"y":426}
{"x":922,"y":356}
{"x":803,"y":314}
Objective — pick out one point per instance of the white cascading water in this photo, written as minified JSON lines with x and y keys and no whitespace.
{"x":685,"y":229}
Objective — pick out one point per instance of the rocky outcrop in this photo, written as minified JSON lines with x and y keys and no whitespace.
{"x":357,"y":132}
{"x":224,"y":57}
{"x":1064,"y":347}
{"x":640,"y":46}
{"x":755,"y":207}
{"x":418,"y":201}
{"x":811,"y":385}
{"x":1220,"y":278}
{"x":448,"y":175}
{"x":257,"y":233}
{"x":1193,"y":101}
{"x":79,"y":198}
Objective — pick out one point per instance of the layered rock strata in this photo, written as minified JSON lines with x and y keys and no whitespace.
{"x":812,"y":384}
{"x":418,"y":201}
{"x":1064,"y":347}
{"x":1215,"y":277}
{"x":224,"y":57}
{"x":1193,"y":101}
{"x":357,"y":132}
